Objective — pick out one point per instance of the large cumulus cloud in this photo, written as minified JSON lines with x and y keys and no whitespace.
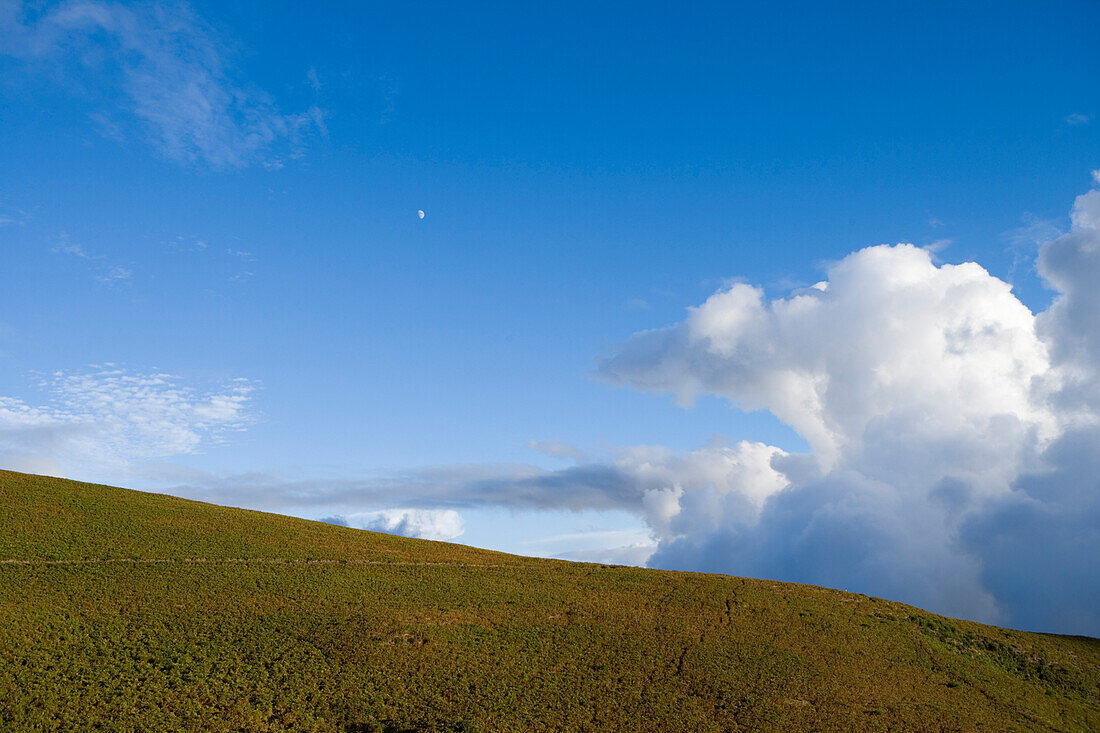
{"x":953,"y":433}
{"x":1040,"y":542}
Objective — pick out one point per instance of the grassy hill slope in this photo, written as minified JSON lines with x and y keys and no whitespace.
{"x":135,"y":611}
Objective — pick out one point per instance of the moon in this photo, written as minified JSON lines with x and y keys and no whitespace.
{"x":420,"y":213}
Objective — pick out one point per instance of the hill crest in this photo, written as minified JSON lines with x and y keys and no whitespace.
{"x":130,"y":609}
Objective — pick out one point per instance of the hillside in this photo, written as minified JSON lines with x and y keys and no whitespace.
{"x":136,"y":611}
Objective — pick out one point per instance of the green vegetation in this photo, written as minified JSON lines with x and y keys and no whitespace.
{"x":136,"y":611}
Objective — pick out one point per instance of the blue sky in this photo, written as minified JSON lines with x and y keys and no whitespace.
{"x":227,"y":194}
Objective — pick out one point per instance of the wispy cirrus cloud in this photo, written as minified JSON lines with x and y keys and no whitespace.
{"x":102,"y":271}
{"x":114,"y":274}
{"x":109,"y":418}
{"x":557,"y":449}
{"x":65,"y":247}
{"x":169,"y":73}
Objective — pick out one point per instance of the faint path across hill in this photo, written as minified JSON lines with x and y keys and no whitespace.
{"x":242,"y":560}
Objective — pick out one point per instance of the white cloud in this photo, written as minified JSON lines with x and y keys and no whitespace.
{"x":173,"y":73}
{"x":1034,"y":233}
{"x":953,"y":433}
{"x":114,"y":274}
{"x":68,"y":248}
{"x":629,"y":546}
{"x":557,"y":449}
{"x":891,"y":335}
{"x":108,"y":418}
{"x":106,"y":126}
{"x":10,"y":215}
{"x":1077,"y":119}
{"x":103,"y":272}
{"x":636,"y":554}
{"x":426,"y":524}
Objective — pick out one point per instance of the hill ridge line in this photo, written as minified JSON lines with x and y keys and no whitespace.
{"x":125,"y":610}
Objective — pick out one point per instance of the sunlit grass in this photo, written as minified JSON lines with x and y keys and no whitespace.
{"x":209,"y":618}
